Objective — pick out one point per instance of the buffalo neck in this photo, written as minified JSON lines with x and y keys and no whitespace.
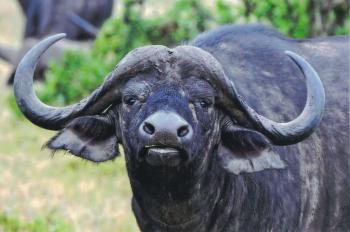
{"x":181,"y":199}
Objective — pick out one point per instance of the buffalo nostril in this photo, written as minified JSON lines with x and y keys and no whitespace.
{"x":148,"y":128}
{"x":182,"y":131}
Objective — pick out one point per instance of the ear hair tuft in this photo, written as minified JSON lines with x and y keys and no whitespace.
{"x":246,"y":150}
{"x":90,"y":137}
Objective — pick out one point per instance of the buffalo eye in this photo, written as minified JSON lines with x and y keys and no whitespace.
{"x":205,"y":103}
{"x":130,"y":100}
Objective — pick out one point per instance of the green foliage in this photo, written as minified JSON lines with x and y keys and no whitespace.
{"x":290,"y":16}
{"x":299,"y":19}
{"x":225,"y":12}
{"x":77,"y":74}
{"x":50,"y":223}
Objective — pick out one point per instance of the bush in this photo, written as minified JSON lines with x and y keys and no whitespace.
{"x":77,"y":74}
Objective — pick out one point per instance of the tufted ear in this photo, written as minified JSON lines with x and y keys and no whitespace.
{"x":245,"y":150}
{"x":89,"y":137}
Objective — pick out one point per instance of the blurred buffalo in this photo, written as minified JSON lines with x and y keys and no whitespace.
{"x":79,"y":19}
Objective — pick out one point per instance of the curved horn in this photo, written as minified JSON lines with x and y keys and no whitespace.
{"x":279,"y":133}
{"x":302,"y":126}
{"x":53,"y":118}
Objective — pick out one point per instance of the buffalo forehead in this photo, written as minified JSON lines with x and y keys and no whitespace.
{"x":147,"y":67}
{"x":145,"y":84}
{"x":182,"y":61}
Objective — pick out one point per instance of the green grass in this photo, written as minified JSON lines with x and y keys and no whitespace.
{"x":48,"y":223}
{"x":41,"y":192}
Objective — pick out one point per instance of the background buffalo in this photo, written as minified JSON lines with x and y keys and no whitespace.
{"x":80,"y":20}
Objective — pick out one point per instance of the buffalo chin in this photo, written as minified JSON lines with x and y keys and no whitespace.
{"x":163,"y":156}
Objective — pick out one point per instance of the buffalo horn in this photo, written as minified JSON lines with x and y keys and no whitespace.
{"x":48,"y":117}
{"x":302,"y":126}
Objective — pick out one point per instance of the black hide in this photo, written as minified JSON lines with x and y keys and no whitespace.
{"x":312,"y":194}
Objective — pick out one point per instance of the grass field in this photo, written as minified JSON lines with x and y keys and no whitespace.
{"x":40,"y":192}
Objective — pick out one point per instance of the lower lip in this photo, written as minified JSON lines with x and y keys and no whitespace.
{"x":157,"y":156}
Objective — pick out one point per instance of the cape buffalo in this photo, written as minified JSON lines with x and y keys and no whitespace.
{"x":200,"y":154}
{"x":79,"y":19}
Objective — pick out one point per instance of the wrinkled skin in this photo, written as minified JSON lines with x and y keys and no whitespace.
{"x":226,"y":175}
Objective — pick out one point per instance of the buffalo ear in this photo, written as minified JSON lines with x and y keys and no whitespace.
{"x":89,"y":137}
{"x":245,"y":150}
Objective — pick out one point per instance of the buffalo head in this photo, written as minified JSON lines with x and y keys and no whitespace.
{"x":169,"y":108}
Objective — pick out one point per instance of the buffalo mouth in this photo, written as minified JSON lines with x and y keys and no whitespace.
{"x":163,"y":156}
